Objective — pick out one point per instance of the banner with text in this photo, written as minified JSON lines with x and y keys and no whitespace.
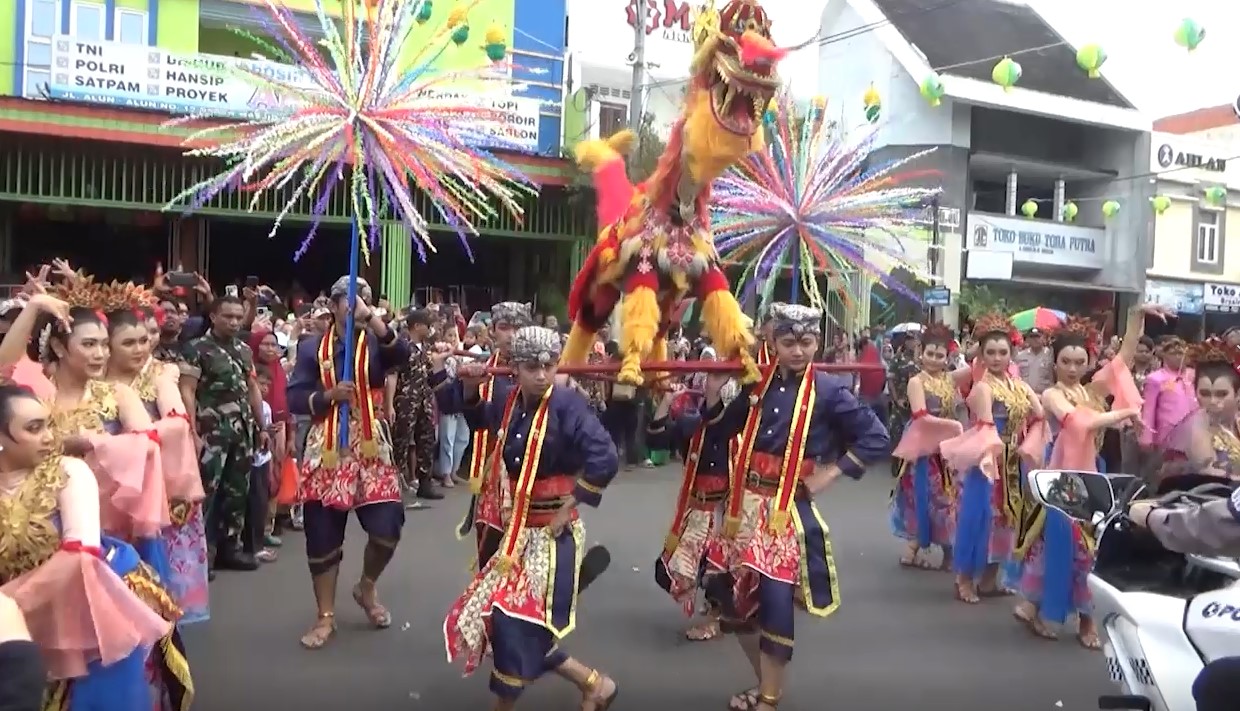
{"x":1222,"y":298}
{"x":133,"y":76}
{"x":1038,"y":242}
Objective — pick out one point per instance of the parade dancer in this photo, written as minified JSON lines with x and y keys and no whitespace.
{"x":1210,"y":437}
{"x":554,"y":455}
{"x":989,"y":500}
{"x":921,"y":504}
{"x":361,"y":478}
{"x":776,"y":543}
{"x":486,"y":506}
{"x":99,"y":615}
{"x":690,"y":555}
{"x":131,"y":363}
{"x":1055,"y":552}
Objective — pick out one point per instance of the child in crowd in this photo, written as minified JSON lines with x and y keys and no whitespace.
{"x":261,"y":487}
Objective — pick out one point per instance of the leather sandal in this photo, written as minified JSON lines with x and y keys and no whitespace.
{"x":322,"y":632}
{"x":592,"y":700}
{"x":768,"y":700}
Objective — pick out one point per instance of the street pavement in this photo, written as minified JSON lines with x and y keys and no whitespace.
{"x":899,"y":640}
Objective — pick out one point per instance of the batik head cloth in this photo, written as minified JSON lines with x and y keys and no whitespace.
{"x":513,"y":313}
{"x":535,"y":344}
{"x":795,"y":319}
{"x":341,"y":288}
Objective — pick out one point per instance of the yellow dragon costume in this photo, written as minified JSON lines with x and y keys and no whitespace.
{"x":655,"y":244}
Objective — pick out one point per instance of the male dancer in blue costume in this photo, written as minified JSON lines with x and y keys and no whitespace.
{"x":362,"y":478}
{"x":553,"y":455}
{"x":776,"y":542}
{"x":486,"y":506}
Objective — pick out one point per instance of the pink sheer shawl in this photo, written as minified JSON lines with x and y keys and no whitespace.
{"x":77,"y":609}
{"x":131,"y":484}
{"x":972,"y":447}
{"x":924,"y":436}
{"x":178,"y":455}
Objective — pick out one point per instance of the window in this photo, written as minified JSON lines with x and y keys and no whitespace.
{"x":612,"y":118}
{"x":42,"y":25}
{"x":130,"y":27}
{"x":1207,"y":236}
{"x":87,"y":21}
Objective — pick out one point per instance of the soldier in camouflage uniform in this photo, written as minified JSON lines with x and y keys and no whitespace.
{"x":903,"y":366}
{"x":223,"y":399}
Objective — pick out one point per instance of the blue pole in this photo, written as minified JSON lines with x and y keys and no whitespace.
{"x":350,"y":342}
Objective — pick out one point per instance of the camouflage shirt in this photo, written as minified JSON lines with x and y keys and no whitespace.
{"x":223,"y":370}
{"x":169,"y":352}
{"x":903,"y":367}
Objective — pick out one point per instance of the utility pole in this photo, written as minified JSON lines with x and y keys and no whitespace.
{"x":637,"y":107}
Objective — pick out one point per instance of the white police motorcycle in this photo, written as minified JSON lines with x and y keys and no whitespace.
{"x":1162,"y":615}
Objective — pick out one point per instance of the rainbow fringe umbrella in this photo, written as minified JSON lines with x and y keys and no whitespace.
{"x":810,"y":204}
{"x":1039,"y":318}
{"x":367,"y":115}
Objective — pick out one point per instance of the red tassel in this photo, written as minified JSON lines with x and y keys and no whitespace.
{"x":73,"y":546}
{"x":153,"y":436}
{"x":758,"y":50}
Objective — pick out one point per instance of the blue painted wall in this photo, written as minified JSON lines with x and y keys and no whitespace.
{"x":538,"y":48}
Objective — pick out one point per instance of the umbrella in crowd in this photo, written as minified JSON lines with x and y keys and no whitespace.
{"x":1039,"y":318}
{"x":910,"y":327}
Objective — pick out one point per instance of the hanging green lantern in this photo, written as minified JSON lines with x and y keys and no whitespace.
{"x":1069,"y":211}
{"x":496,"y":43}
{"x":932,"y":89}
{"x":460,"y":35}
{"x":424,"y":12}
{"x":1160,"y":203}
{"x":1189,"y":34}
{"x":1110,"y":209}
{"x":1216,"y":195}
{"x":1006,"y":73}
{"x":1090,"y":58}
{"x":1029,"y":208}
{"x":873,"y":104}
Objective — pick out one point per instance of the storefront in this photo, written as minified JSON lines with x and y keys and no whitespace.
{"x":1222,"y":307}
{"x":1040,"y":263}
{"x":1186,"y":298}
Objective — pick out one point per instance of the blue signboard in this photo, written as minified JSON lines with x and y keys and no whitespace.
{"x":937,"y":296}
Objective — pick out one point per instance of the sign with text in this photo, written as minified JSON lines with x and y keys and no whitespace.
{"x":1181,"y":296}
{"x":1038,"y":241}
{"x":133,"y":76}
{"x":936,"y":296}
{"x":670,"y":19}
{"x":1188,"y":159}
{"x":1222,"y":297}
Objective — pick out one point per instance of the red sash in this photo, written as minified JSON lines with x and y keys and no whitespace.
{"x":524,"y":488}
{"x":362,"y":403}
{"x":482,"y":435}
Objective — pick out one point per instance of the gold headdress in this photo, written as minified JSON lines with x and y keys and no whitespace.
{"x":937,"y":331}
{"x":112,"y":296}
{"x":995,"y":323}
{"x":1079,"y":327}
{"x":1213,"y":351}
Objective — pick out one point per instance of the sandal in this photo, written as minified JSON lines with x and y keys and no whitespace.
{"x":966,"y":593}
{"x":322,"y":631}
{"x":913,"y":559}
{"x":770,"y":702}
{"x":1089,"y":640}
{"x":375,"y":611}
{"x":1036,"y":626}
{"x":594,"y":699}
{"x":744,"y":701}
{"x":704,"y":632}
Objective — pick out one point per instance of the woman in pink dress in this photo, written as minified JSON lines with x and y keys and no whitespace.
{"x":1210,"y":437}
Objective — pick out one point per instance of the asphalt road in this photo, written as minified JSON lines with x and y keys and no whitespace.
{"x":898,"y":641}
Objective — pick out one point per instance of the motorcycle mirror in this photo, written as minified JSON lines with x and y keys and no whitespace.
{"x":1080,"y":495}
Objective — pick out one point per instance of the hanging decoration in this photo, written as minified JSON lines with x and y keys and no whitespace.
{"x":1006,"y":73}
{"x":1110,"y":209}
{"x":423,"y":15}
{"x":1069,"y":211}
{"x":369,"y":128}
{"x":1029,"y":208}
{"x":1216,"y":195}
{"x":768,"y":117}
{"x":807,"y":205}
{"x":1189,"y":34}
{"x":1160,"y":203}
{"x":873,"y":104}
{"x":1090,"y":58}
{"x":932,"y":89}
{"x":496,"y":45}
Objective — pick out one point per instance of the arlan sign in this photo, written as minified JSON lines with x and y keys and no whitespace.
{"x":671,"y":19}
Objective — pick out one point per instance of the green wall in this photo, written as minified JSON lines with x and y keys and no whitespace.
{"x":178,"y":25}
{"x":8,"y":47}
